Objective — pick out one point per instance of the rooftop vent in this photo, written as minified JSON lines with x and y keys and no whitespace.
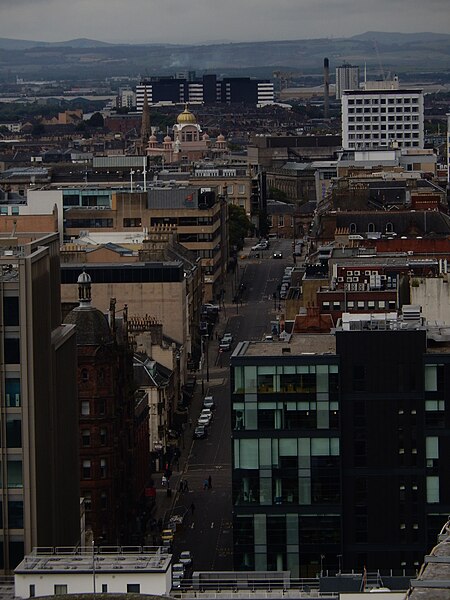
{"x":286,"y":350}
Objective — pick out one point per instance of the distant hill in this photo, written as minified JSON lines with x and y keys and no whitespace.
{"x":11,"y":44}
{"x":385,"y":37}
{"x":409,"y":55}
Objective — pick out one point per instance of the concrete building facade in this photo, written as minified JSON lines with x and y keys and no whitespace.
{"x":39,"y":453}
{"x":374,"y":118}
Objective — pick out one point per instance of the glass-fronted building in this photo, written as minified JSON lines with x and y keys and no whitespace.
{"x":286,"y":473}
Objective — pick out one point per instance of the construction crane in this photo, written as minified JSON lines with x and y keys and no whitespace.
{"x":377,"y":50}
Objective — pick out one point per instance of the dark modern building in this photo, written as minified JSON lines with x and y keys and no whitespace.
{"x":39,"y":487}
{"x":340,"y":447}
{"x":208,"y":90}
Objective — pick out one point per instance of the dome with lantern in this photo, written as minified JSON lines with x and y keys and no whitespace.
{"x":186,"y":117}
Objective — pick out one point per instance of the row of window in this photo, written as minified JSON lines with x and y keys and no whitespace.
{"x":375,"y":101}
{"x":87,"y":437}
{"x":360,"y":305}
{"x":374,"y":144}
{"x":89,"y":468}
{"x":398,"y":110}
{"x":61,"y":589}
{"x":4,"y":210}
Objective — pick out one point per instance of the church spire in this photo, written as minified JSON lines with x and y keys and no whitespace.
{"x":145,"y":123}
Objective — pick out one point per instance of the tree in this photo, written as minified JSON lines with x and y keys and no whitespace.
{"x":239,"y":225}
{"x":96,"y":120}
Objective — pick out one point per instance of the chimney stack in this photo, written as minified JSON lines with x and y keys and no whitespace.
{"x":326,"y":84}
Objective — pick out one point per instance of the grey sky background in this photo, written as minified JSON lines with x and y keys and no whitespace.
{"x":200,"y":21}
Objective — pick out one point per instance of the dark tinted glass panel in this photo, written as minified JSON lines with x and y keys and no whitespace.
{"x":11,"y":310}
{"x":13,"y":432}
{"x":12,"y":351}
{"x":15,"y":514}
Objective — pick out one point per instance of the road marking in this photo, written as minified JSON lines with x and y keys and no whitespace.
{"x":212,"y":525}
{"x":192,"y":525}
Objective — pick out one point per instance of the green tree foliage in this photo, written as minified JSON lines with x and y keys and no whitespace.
{"x":277,"y":194}
{"x":96,"y":120}
{"x":239,"y":226}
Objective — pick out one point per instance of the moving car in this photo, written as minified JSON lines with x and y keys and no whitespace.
{"x":260,"y":246}
{"x":200,"y":432}
{"x":277,"y":255}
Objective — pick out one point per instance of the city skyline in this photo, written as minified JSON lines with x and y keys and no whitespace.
{"x":248,"y":20}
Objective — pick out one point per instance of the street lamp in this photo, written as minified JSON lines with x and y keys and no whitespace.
{"x":339,"y":557}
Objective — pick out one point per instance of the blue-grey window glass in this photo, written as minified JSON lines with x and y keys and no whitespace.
{"x":15,"y":479}
{"x":12,"y":391}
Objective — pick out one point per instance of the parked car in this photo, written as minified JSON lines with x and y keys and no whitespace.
{"x":173,"y":434}
{"x":211,"y":307}
{"x":227,"y":337}
{"x":186,"y":558}
{"x":225,"y":345}
{"x":208,"y":402}
{"x":178,"y":569}
{"x":167,"y":535}
{"x":206,"y":412}
{"x":177,"y":582}
{"x":204,"y":420}
{"x":200,"y":432}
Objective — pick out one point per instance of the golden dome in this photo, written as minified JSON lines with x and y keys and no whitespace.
{"x":186,"y":117}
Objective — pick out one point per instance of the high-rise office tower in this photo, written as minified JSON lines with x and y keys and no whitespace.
{"x":39,"y":491}
{"x":383,"y":115}
{"x":347,"y":78}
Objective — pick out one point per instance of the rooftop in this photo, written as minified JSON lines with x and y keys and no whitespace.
{"x":315,"y":344}
{"x":151,"y":559}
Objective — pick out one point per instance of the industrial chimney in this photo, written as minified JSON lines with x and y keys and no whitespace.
{"x":326,"y":85}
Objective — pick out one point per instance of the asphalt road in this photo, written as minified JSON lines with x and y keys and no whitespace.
{"x":208,"y":529}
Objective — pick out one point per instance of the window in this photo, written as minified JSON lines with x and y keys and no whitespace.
{"x":11,"y":310}
{"x":133,"y":588}
{"x":371,"y":228}
{"x":86,"y":469}
{"x":60,"y":589}
{"x":84,"y":375}
{"x":32,"y":590}
{"x":104,"y":500}
{"x":280,"y":220}
{"x":432,"y":489}
{"x":87,"y":500}
{"x":12,"y":392}
{"x":86,"y":437}
{"x":15,"y":473}
{"x":103,"y":436}
{"x":103,"y":468}
{"x":12,"y":351}
{"x":241,"y":189}
{"x":104,"y":588}
{"x":15,"y":514}
{"x":85,"y":408}
{"x":13,"y":431}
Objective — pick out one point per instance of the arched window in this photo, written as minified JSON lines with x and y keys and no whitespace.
{"x":371,"y":228}
{"x":84,"y":375}
{"x":352,"y":227}
{"x":389,"y":227}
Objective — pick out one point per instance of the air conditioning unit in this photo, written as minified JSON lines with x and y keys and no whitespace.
{"x":340,"y":279}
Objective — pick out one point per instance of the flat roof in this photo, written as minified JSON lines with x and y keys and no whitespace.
{"x":140,"y":559}
{"x":299,"y":345}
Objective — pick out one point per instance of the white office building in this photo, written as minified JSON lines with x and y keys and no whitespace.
{"x":382,"y":116}
{"x":347,"y":78}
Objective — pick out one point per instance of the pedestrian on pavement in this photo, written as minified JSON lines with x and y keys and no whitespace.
{"x":185,"y":486}
{"x":192,"y":508}
{"x":190,"y":422}
{"x":181,"y":486}
{"x":205,"y":484}
{"x":209,"y":482}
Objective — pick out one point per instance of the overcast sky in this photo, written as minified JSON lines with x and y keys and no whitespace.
{"x":193,"y":21}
